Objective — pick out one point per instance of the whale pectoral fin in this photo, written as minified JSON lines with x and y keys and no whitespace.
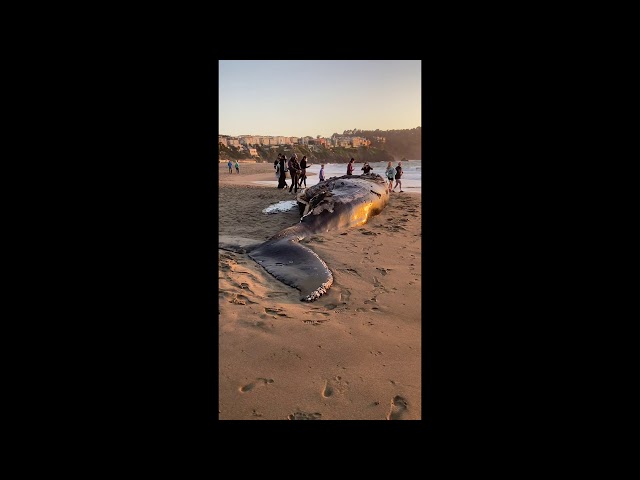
{"x":237,"y":244}
{"x":295,"y":265}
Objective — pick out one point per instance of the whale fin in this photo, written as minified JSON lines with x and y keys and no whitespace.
{"x":295,"y":265}
{"x":237,"y":244}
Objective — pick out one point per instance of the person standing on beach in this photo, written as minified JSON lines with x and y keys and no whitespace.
{"x":391,"y":172}
{"x":321,"y":174}
{"x":282,"y":180}
{"x":237,"y":167}
{"x":230,"y":165}
{"x":398,"y":177}
{"x":367,"y":168}
{"x":294,"y":171}
{"x":303,"y":171}
{"x":350,"y":167}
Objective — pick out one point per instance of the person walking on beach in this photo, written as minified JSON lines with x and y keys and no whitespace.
{"x":398,"y":177}
{"x":237,"y":167}
{"x":303,"y":171}
{"x":391,"y":172}
{"x":321,"y":174}
{"x":230,"y":165}
{"x":294,"y":171}
{"x":282,"y":170}
{"x":367,"y":168}
{"x":350,"y":167}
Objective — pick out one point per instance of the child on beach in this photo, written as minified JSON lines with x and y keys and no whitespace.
{"x":230,"y":165}
{"x":391,"y":172}
{"x":237,"y":167}
{"x":321,"y":174}
{"x":367,"y":168}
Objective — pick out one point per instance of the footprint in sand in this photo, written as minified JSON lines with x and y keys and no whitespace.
{"x":344,"y":295}
{"x":398,"y":408}
{"x":304,"y":416}
{"x":314,"y":322}
{"x":258,"y":382}
{"x":327,"y":391}
{"x":351,"y":271}
{"x":276,"y":294}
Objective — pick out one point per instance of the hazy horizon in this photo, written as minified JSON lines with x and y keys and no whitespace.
{"x":298,"y":98}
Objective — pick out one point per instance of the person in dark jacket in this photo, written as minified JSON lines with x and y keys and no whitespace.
{"x":294,"y":172}
{"x":367,"y":168}
{"x":282,"y":180}
{"x":303,"y":171}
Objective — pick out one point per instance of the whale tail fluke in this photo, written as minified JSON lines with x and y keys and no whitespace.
{"x":295,"y":265}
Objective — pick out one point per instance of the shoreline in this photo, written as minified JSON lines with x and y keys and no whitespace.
{"x":263,"y":172}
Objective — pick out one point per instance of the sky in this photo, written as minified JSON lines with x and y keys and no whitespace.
{"x":296,"y":98}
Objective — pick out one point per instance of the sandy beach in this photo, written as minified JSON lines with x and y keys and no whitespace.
{"x":353,"y":354}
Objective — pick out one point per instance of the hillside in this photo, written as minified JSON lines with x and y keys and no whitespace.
{"x":399,"y":143}
{"x":320,"y":155}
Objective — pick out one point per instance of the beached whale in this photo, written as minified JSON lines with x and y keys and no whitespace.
{"x":336,"y":203}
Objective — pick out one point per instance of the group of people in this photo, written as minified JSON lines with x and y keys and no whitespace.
{"x":230,"y":165}
{"x":391,"y":172}
{"x":366,"y":168}
{"x":298,"y":172}
{"x":394,"y":173}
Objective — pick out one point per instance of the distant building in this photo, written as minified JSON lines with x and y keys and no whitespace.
{"x":253,"y":152}
{"x":249,"y":140}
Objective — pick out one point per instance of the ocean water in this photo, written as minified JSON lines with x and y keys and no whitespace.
{"x":411,"y":178}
